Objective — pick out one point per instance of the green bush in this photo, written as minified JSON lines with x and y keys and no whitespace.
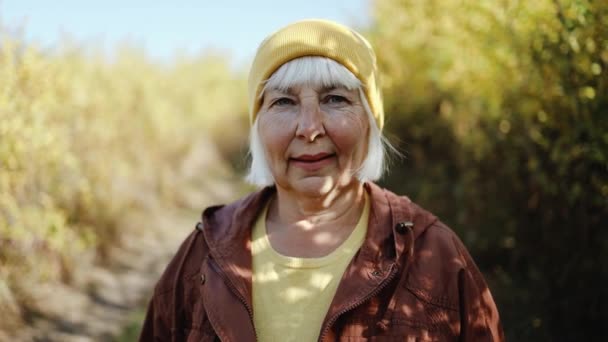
{"x":502,"y":111}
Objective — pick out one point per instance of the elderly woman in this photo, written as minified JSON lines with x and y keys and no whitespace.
{"x":321,"y":252}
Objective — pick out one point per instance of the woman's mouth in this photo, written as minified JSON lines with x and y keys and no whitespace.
{"x":312,"y":162}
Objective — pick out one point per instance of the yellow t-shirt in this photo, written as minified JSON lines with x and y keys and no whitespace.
{"x":291,"y":296}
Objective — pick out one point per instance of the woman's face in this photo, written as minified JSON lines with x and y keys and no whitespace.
{"x":315,"y":139}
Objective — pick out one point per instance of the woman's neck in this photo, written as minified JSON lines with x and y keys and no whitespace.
{"x":338,"y":208}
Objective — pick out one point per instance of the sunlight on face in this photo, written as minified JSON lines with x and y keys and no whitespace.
{"x":314,"y":138}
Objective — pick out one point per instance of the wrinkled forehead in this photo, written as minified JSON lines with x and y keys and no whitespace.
{"x":315,"y":72}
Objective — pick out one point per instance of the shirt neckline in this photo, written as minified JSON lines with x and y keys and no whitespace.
{"x":343,"y":250}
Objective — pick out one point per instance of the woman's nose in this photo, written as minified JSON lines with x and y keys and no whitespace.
{"x":310,"y":121}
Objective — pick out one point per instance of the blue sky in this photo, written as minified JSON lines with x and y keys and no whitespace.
{"x":166,"y":27}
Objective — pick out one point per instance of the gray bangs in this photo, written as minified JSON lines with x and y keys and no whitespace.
{"x":311,"y":71}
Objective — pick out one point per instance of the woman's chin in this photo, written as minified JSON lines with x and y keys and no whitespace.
{"x":314,"y":185}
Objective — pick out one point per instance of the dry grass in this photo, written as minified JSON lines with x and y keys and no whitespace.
{"x":84,"y":141}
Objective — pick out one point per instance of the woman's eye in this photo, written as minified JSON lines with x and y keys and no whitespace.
{"x":336,"y":99}
{"x":283,"y":101}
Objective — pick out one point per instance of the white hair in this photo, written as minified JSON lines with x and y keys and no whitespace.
{"x":325,"y":72}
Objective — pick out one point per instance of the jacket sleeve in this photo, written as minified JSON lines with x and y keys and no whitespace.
{"x":156,"y":326}
{"x":160,"y":321}
{"x":479,"y":319}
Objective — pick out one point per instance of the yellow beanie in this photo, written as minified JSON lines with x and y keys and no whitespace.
{"x":316,"y":37}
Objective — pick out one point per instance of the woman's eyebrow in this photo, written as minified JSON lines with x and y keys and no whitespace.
{"x":331,"y":88}
{"x":288,"y":91}
{"x":328,"y":89}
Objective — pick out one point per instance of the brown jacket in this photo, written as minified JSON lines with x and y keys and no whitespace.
{"x":412,"y":280}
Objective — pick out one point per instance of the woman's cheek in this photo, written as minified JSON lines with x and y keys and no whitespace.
{"x":346,"y":132}
{"x":275,"y":134}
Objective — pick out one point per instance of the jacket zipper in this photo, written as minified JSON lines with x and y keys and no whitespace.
{"x":236,"y":293}
{"x":360,"y":302}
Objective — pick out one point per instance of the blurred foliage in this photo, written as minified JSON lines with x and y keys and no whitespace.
{"x":85,"y":140}
{"x":133,"y":328}
{"x":501,"y":108}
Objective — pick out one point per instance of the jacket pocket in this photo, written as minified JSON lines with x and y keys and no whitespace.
{"x":434,"y":316}
{"x":396,"y":338}
{"x":199,"y":335}
{"x":367,"y":329}
{"x":195,"y":324}
{"x":199,"y":328}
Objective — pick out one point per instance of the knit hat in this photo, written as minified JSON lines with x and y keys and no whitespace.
{"x":315,"y":37}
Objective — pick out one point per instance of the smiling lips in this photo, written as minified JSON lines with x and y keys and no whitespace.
{"x":312,"y":162}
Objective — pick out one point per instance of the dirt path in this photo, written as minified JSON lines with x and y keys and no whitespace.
{"x":99,"y":305}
